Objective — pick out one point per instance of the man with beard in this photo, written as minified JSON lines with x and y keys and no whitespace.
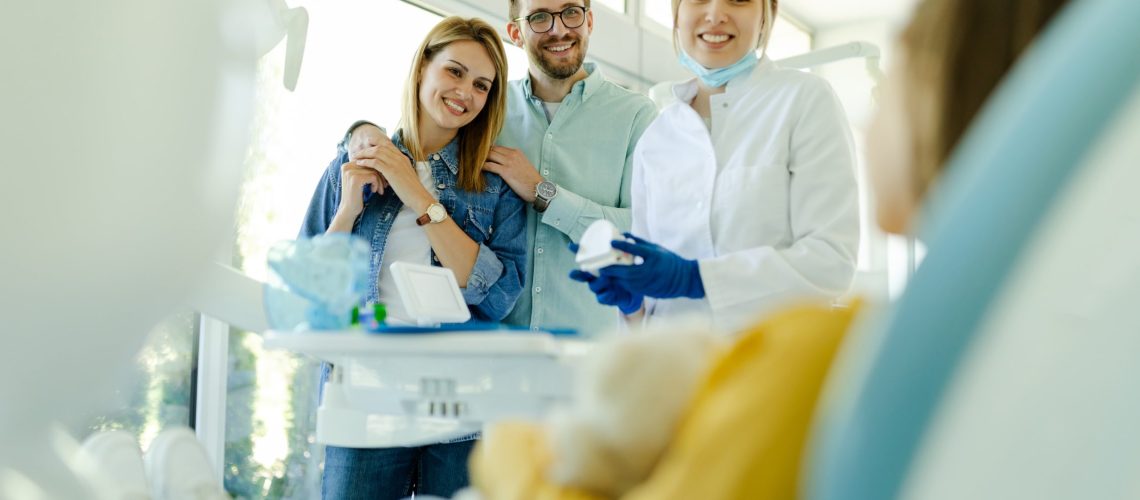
{"x":566,"y":148}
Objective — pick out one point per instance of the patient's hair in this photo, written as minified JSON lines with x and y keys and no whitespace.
{"x":956,"y":53}
{"x":477,"y":137}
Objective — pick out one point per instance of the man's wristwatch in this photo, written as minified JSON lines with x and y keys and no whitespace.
{"x":544,"y":192}
{"x":435,"y":214}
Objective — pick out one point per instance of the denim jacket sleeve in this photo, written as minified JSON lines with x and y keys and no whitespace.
{"x":499,"y":273}
{"x":326,"y":198}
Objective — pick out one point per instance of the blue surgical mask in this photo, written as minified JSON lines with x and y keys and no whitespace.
{"x":719,"y":77}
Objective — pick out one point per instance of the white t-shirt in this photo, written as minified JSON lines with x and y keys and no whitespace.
{"x":551,"y":109}
{"x":407,"y":242}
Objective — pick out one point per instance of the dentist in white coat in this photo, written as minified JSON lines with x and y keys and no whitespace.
{"x":745,"y":185}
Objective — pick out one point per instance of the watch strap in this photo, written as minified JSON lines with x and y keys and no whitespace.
{"x":541,"y":203}
{"x":425,"y":218}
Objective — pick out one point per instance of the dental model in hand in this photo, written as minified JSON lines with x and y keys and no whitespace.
{"x":595,"y":250}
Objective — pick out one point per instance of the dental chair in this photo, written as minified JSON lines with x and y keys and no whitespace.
{"x":1008,"y":369}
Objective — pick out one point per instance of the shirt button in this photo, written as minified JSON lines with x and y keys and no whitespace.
{"x":556,"y":222}
{"x":549,"y":136}
{"x":546,"y":172}
{"x":534,"y":328}
{"x":538,"y":250}
{"x":441,"y":186}
{"x":725,"y":105}
{"x":537,"y":289}
{"x":436,"y":157}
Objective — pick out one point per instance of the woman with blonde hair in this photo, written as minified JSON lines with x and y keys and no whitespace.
{"x":745,"y":185}
{"x":423,"y":197}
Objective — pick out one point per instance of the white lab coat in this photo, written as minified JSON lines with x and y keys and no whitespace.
{"x":766,"y":201}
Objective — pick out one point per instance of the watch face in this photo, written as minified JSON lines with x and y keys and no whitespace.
{"x":546,"y":189}
{"x":437,"y":213}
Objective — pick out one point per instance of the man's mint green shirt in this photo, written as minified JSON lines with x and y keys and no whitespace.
{"x":587,"y":150}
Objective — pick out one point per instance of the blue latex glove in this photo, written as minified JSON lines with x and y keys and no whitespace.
{"x":607,"y":291}
{"x":662,"y":274}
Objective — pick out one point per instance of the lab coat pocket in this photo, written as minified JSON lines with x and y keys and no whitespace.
{"x":755,"y":197}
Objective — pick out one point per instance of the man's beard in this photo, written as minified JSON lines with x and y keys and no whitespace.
{"x":553,"y":70}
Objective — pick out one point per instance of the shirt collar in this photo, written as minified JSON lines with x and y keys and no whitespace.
{"x":449,"y":154}
{"x":588,"y":85}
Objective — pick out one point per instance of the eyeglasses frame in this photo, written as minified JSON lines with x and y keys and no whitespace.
{"x":552,"y":16}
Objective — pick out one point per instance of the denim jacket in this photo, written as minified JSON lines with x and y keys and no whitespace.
{"x":494,"y":218}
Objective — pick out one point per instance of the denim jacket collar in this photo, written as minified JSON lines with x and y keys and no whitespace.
{"x":449,"y":154}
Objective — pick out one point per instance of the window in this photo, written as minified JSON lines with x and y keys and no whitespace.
{"x":355,"y":65}
{"x":516,"y":62}
{"x":158,"y":395}
{"x":659,"y":11}
{"x":788,"y":39}
{"x":616,"y":5}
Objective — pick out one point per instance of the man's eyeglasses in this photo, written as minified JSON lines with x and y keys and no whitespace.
{"x":542,"y":21}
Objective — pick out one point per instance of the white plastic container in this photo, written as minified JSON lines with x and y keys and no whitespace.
{"x":595,"y":249}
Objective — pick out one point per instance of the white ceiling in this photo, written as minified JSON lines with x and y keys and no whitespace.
{"x":821,"y":14}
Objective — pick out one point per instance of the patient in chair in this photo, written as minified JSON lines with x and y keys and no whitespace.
{"x":683,"y":415}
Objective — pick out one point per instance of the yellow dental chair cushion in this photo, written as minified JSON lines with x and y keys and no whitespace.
{"x":742,"y":437}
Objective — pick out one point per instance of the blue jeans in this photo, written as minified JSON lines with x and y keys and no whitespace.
{"x":395,"y":473}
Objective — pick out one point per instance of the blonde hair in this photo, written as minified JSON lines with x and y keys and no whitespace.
{"x":766,"y":24}
{"x":956,"y":52}
{"x":477,"y":137}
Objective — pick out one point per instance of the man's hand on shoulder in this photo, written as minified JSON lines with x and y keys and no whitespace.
{"x":363,"y":137}
{"x":513,"y":166}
